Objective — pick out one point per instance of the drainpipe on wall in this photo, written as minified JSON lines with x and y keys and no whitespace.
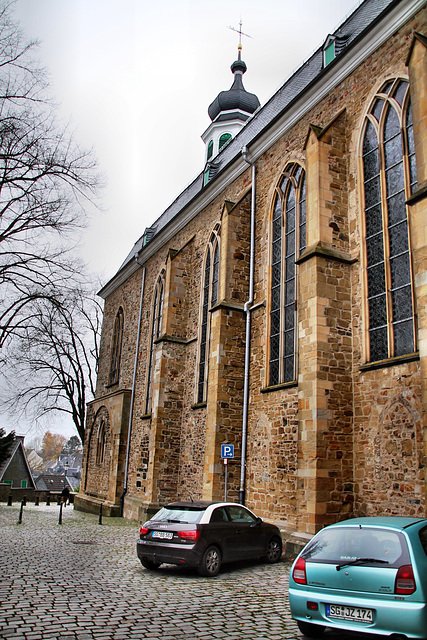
{"x":132,"y":397}
{"x":248,"y":334}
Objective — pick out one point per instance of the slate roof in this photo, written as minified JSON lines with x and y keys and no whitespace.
{"x":349,"y":32}
{"x":52,"y":482}
{"x":236,"y":97}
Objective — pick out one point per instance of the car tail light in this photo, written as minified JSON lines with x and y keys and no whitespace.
{"x":405,"y":581}
{"x":298,"y":573}
{"x":143,"y":531}
{"x":192,"y":536}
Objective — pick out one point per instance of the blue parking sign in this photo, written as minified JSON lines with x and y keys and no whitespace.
{"x":227,"y":451}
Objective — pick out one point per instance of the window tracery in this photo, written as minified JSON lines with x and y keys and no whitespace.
{"x":209,"y":299}
{"x":156,"y":329}
{"x":389,"y":178}
{"x":116,"y":350}
{"x":288,"y":241}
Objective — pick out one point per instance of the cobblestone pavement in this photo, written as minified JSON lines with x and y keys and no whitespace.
{"x":80,"y":580}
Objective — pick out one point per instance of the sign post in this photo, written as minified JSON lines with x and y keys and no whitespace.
{"x":227,"y":451}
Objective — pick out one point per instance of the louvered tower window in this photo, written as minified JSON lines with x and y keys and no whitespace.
{"x":389,"y":178}
{"x":209,"y":299}
{"x":210,"y":150}
{"x":288,"y":241}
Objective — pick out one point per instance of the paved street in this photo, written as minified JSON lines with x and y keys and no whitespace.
{"x":82,"y":580}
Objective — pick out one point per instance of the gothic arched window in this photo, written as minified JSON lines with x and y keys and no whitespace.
{"x":209,"y":298}
{"x":389,"y":178}
{"x":116,"y":350}
{"x":288,"y":240}
{"x":156,"y":329}
{"x":100,"y":444}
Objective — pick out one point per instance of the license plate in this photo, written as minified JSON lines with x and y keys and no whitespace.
{"x":164,"y":535}
{"x":344,"y":612}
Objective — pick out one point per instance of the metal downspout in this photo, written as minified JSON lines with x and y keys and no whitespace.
{"x":132,"y":398}
{"x":248,"y":334}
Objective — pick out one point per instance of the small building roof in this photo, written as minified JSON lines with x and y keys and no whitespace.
{"x":52,"y":482}
{"x":17,"y":448}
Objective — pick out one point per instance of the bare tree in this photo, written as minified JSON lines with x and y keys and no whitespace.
{"x":53,"y":366}
{"x":44,"y":182}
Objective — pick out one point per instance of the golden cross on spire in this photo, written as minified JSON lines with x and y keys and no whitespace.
{"x":240,"y":32}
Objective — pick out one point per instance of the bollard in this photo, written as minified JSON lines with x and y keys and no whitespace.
{"x":21,"y":512}
{"x":100,"y":514}
{"x":24,"y":500}
{"x":9,"y":501}
{"x":48,"y":501}
{"x":60,"y":514}
{"x":36,"y":501}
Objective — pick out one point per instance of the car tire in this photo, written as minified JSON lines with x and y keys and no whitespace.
{"x":310,"y":630}
{"x":210,"y":563}
{"x":274,"y":551}
{"x":150,"y":564}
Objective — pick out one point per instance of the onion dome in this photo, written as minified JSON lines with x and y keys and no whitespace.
{"x":236,"y":98}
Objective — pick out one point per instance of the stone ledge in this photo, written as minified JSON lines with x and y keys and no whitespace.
{"x":92,"y":505}
{"x":293,"y":541}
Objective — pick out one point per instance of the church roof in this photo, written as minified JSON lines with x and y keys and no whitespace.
{"x":353,"y":30}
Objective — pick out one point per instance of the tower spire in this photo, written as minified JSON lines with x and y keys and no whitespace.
{"x":230,"y":109}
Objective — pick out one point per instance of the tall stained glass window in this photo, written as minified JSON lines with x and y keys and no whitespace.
{"x":389,"y":178}
{"x":288,"y":241}
{"x":156,"y":328}
{"x":116,"y":349}
{"x":209,"y":298}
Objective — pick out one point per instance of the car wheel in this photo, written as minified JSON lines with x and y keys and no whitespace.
{"x":150,"y":564}
{"x":310,"y":630}
{"x":210,"y":563}
{"x":274,"y":551}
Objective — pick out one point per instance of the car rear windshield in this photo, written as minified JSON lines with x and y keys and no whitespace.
{"x":179,"y":514}
{"x":348,"y":544}
{"x":423,"y":538}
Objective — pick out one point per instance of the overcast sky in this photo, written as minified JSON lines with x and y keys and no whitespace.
{"x":134,"y":78}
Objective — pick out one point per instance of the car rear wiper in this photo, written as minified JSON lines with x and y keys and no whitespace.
{"x":177,"y":521}
{"x":360,"y":561}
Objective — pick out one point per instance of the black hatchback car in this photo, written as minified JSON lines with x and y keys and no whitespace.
{"x":206,"y":534}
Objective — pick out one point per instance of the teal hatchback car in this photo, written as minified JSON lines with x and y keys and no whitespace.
{"x":365,"y":574}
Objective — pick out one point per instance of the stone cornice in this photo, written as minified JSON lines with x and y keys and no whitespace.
{"x":329,"y":253}
{"x":420,"y":194}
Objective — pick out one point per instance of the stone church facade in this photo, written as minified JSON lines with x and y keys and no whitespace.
{"x":280,"y":303}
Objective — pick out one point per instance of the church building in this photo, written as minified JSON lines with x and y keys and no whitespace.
{"x":274,"y":317}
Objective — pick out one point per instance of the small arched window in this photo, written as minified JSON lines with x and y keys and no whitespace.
{"x":288,"y":241}
{"x":389,"y":178}
{"x":209,"y":299}
{"x":156,"y":329}
{"x":116,"y":349}
{"x":223,"y":140}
